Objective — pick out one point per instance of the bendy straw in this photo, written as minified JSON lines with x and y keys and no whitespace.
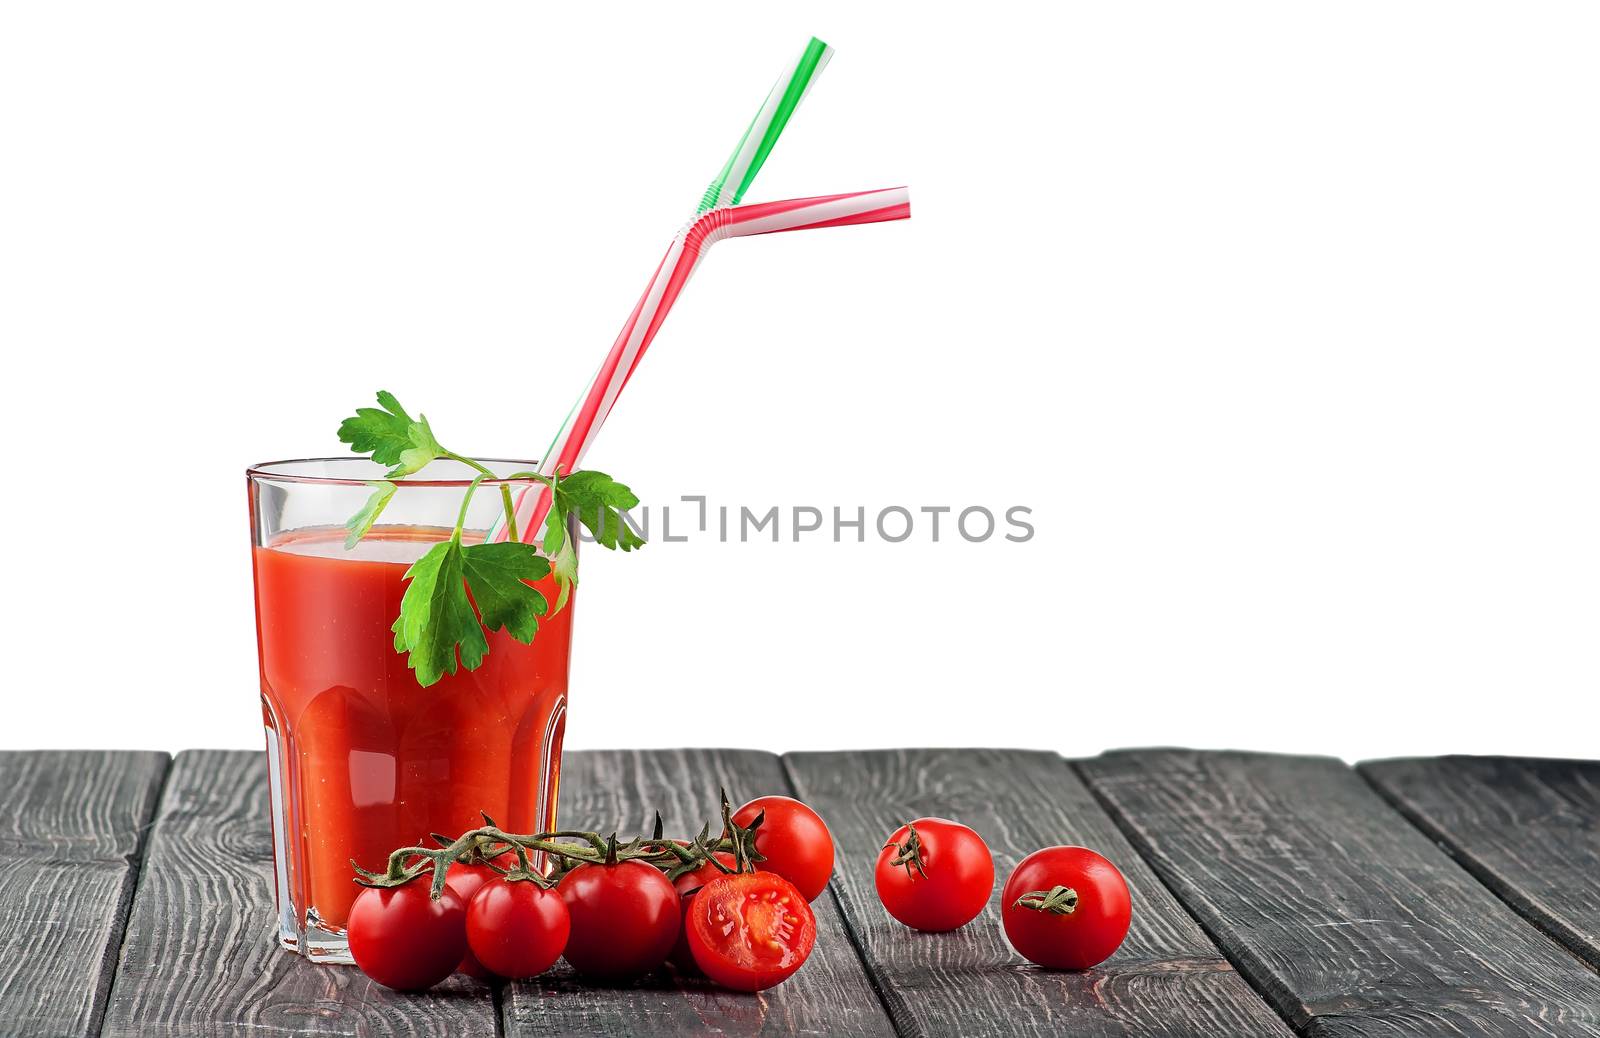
{"x":680,"y":261}
{"x":737,"y":174}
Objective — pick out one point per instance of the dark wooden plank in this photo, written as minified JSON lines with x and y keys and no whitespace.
{"x":72,"y":827}
{"x":201,"y":956}
{"x":1167,"y":979}
{"x":1527,"y":829}
{"x":1344,"y":915}
{"x":605,"y":790}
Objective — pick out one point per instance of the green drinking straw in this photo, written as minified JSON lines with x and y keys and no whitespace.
{"x":739,"y":172}
{"x":756,"y":144}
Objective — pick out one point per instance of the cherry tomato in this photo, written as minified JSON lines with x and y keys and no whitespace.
{"x":794,"y":841}
{"x":467,"y":880}
{"x":944,"y":877}
{"x":1071,"y":928}
{"x":750,"y":931}
{"x":688,"y":885}
{"x":625,"y":918}
{"x":404,"y":939}
{"x":517,"y":929}
{"x":689,"y":882}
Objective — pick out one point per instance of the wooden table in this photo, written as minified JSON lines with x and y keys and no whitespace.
{"x":1272,"y":896}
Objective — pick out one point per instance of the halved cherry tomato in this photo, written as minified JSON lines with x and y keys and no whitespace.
{"x":1066,"y":908}
{"x":625,"y":918}
{"x":794,"y":840}
{"x":943,"y":878}
{"x":688,"y":885}
{"x":404,"y":939}
{"x":517,"y":928}
{"x":750,"y":931}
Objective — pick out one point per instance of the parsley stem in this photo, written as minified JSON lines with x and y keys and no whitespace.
{"x":466,"y":499}
{"x":511,"y":513}
{"x":505,"y":495}
{"x":480,"y":466}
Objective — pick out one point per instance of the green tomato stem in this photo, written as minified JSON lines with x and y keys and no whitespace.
{"x":488,"y":842}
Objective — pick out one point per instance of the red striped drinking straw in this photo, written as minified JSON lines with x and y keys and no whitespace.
{"x":682,"y":257}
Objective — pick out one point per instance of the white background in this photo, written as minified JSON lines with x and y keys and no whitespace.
{"x":1281,"y":318}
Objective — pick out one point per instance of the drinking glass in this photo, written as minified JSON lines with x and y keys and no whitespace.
{"x":361,"y":758}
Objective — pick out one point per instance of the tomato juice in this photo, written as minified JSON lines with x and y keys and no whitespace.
{"x":363,"y":759}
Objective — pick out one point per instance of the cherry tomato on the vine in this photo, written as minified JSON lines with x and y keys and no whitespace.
{"x":517,"y":929}
{"x":1066,"y":908}
{"x":794,"y":840}
{"x":934,"y":874}
{"x":688,"y":885}
{"x":467,"y":880}
{"x":750,"y":931}
{"x":625,"y":918}
{"x":689,"y":882}
{"x":404,"y":939}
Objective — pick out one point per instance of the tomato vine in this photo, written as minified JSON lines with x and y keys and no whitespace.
{"x":564,"y":850}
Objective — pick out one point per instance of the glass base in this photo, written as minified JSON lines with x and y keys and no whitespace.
{"x":318,"y":938}
{"x":319,"y":942}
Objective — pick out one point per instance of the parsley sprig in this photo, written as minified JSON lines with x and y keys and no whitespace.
{"x":458,"y":590}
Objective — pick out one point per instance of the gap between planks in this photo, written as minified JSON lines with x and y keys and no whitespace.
{"x":1168,"y":978}
{"x":1517,"y":827}
{"x":1345,"y":916}
{"x":73,"y":840}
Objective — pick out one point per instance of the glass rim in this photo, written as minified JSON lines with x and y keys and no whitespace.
{"x":281,"y":472}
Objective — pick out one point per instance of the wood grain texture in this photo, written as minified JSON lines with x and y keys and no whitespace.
{"x":72,"y":828}
{"x":1344,"y":915}
{"x":1527,"y":829}
{"x":1167,"y":979}
{"x":605,"y":790}
{"x":201,"y":956}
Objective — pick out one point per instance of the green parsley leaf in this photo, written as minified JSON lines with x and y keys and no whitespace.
{"x":362,"y":521}
{"x":455,"y":592}
{"x":565,"y":567}
{"x":436,"y":616}
{"x":384,"y":434}
{"x":563,"y":554}
{"x":598,"y":501}
{"x":437,"y":619}
{"x":424,"y":448}
{"x":391,"y":436}
{"x":495,"y":575}
{"x":555,"y":532}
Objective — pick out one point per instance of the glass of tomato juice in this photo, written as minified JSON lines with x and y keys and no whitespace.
{"x":362,"y":759}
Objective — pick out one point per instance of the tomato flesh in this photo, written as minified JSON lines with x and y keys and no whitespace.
{"x":751,"y":931}
{"x":688,"y":885}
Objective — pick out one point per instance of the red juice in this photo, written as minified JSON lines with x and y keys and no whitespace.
{"x":365,"y":760}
